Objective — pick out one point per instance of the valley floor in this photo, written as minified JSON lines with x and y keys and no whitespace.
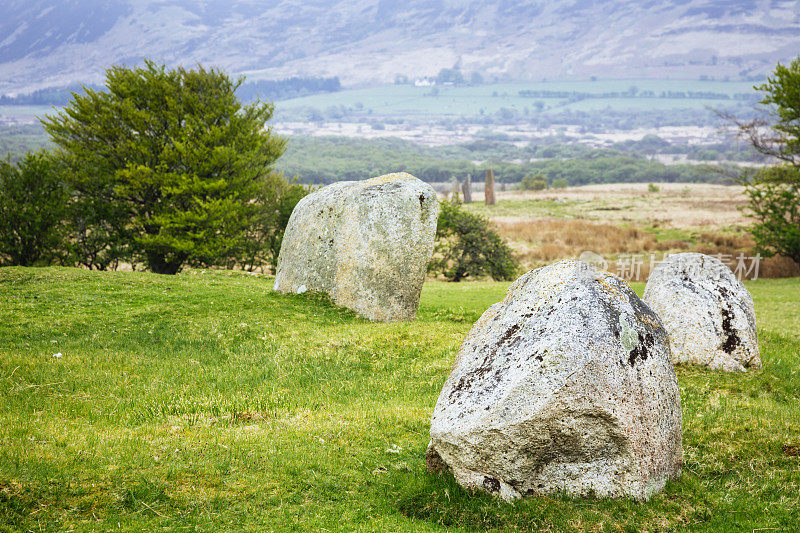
{"x":204,"y":401}
{"x":629,"y":225}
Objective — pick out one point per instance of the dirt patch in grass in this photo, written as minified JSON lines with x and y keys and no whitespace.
{"x":792,"y":450}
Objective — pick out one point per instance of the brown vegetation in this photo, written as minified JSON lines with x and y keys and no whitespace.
{"x":551,"y":239}
{"x":543,"y":240}
{"x":618,"y":221}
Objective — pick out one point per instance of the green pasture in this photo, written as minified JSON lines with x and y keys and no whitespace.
{"x":490,"y":98}
{"x":206,"y":402}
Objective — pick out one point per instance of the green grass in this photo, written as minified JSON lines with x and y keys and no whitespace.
{"x":206,"y":402}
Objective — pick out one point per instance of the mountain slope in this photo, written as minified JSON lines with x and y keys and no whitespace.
{"x":50,"y":43}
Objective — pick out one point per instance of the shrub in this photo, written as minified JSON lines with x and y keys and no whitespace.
{"x":32,"y":209}
{"x":534,"y":183}
{"x":774,"y":192}
{"x":265,"y":237}
{"x":774,"y":200}
{"x":467,"y":246}
{"x":652,"y":187}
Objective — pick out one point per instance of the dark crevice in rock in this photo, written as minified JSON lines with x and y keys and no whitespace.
{"x":434,"y":461}
{"x":731,"y":337}
{"x":479,"y":374}
{"x":491,"y":484}
{"x":509,"y":332}
{"x":634,"y":355}
{"x":642,"y":350}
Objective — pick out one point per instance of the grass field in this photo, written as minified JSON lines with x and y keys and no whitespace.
{"x":206,"y":402}
{"x":409,"y":100}
{"x":685,"y":206}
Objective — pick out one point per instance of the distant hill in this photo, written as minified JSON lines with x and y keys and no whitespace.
{"x":59,"y":42}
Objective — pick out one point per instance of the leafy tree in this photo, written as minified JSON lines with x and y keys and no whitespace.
{"x":774,"y":192}
{"x":534,"y":183}
{"x":278,"y":199}
{"x":97,"y":236}
{"x":475,"y":78}
{"x":774,"y":200}
{"x":781,"y":139}
{"x":466,"y":245}
{"x":166,"y":166}
{"x":32,"y":209}
{"x":450,"y":75}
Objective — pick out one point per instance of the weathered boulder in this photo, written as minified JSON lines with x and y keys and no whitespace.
{"x":367,"y":244}
{"x":707,"y":312}
{"x":564,"y":386}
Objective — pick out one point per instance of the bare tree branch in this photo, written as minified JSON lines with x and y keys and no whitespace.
{"x":760,"y":134}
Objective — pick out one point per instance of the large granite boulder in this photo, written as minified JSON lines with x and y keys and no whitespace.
{"x":707,"y":312}
{"x":564,"y":386}
{"x":365,"y":243}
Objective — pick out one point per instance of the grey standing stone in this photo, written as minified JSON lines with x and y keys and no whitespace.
{"x":564,"y":386}
{"x":466,"y":187}
{"x":488,"y":190}
{"x":708,"y":312}
{"x":367,"y":244}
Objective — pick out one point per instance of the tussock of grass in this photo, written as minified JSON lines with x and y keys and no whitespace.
{"x":205,"y":401}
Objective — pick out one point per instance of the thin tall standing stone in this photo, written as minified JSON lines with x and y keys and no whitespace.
{"x":456,"y":188}
{"x":466,"y":188}
{"x":489,"y":189}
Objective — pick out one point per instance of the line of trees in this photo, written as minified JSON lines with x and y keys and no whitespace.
{"x":50,"y":96}
{"x":287,"y":88}
{"x":248,"y":92}
{"x":633,"y":92}
{"x":540,"y":114}
{"x":164,"y":168}
{"x":326,"y":160}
